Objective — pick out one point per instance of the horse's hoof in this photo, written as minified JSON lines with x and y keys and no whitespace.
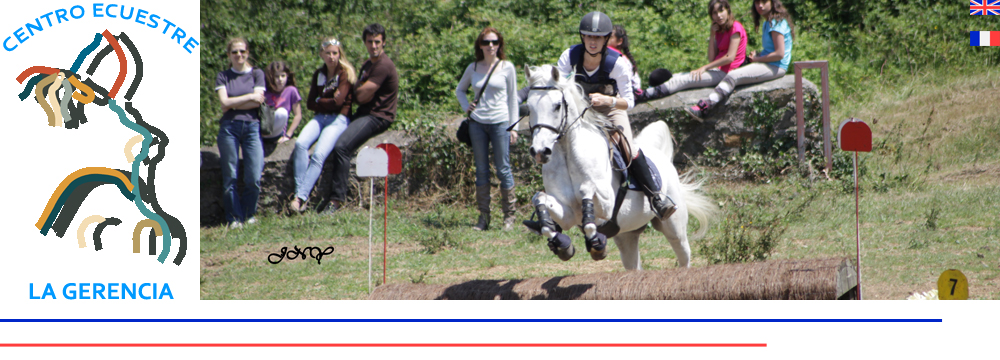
{"x":566,"y":254}
{"x":561,"y":245}
{"x":598,"y":255}
{"x":597,"y":246}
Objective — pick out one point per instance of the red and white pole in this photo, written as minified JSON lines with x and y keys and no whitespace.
{"x":385,"y":229}
{"x":855,"y":135}
{"x":857,"y":220}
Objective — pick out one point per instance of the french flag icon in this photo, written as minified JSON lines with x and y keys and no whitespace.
{"x":984,"y":38}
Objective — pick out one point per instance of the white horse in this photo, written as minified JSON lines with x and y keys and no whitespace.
{"x":580,"y":184}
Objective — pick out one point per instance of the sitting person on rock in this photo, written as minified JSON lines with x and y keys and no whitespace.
{"x":281,"y":94}
{"x":330,"y":100}
{"x":375,"y":93}
{"x":727,"y":47}
{"x":770,"y":64}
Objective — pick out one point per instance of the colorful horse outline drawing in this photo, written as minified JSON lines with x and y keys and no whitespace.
{"x":69,"y":195}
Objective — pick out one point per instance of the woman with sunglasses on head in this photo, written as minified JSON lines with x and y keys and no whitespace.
{"x":330,"y":99}
{"x":241,"y":91}
{"x":491,"y":115}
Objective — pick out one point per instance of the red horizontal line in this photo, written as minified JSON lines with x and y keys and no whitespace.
{"x":387,"y":345}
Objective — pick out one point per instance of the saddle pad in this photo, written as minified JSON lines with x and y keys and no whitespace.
{"x":618,"y":164}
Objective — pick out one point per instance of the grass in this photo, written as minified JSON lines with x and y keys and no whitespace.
{"x":930,"y":202}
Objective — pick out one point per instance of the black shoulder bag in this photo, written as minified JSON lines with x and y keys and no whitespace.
{"x":463,"y":129}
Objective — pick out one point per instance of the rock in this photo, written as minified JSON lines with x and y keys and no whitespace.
{"x":724,"y":129}
{"x":278,"y":180}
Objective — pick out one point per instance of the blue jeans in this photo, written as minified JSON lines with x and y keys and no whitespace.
{"x":327,"y":129}
{"x":233,"y":135}
{"x":482,"y":135}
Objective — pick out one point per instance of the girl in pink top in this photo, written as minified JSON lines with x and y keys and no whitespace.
{"x":727,"y":47}
{"x":282,"y":94}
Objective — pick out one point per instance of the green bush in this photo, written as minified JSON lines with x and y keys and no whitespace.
{"x":754,"y":225}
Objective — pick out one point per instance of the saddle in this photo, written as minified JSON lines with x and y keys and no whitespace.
{"x":618,"y":163}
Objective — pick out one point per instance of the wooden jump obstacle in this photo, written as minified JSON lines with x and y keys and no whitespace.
{"x":809,"y":279}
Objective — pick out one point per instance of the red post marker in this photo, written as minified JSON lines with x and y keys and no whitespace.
{"x":395,"y":167}
{"x":395,"y":157}
{"x":855,"y":135}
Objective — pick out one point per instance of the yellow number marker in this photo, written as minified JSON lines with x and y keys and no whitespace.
{"x":952,"y":285}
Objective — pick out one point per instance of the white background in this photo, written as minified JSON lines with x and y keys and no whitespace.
{"x":38,"y":158}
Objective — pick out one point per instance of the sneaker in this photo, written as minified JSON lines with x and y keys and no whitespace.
{"x":332,"y":207}
{"x":297,"y":205}
{"x":640,"y":95}
{"x":653,"y":93}
{"x":252,"y":221}
{"x":699,"y":111}
{"x":235,"y":225}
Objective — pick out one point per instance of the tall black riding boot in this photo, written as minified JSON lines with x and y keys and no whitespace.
{"x":483,"y":202}
{"x":662,"y":205}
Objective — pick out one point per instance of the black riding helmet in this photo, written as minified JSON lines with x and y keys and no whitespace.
{"x":596,"y":23}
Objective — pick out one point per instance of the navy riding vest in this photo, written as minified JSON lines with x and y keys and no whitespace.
{"x":601,"y":82}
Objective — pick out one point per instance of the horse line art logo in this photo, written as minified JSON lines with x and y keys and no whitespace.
{"x":66,"y":109}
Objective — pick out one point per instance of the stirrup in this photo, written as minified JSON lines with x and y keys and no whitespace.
{"x":662,"y":209}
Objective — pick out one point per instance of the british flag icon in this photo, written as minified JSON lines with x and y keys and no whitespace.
{"x":984,"y":7}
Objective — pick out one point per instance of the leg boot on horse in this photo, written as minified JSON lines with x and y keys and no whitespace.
{"x":508,"y":202}
{"x":483,"y":200}
{"x":662,"y":205}
{"x":559,"y":243}
{"x":597,"y":243}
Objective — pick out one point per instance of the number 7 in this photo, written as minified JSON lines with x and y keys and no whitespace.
{"x":953,"y":283}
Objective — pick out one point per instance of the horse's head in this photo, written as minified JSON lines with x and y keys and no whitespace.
{"x":553,"y":104}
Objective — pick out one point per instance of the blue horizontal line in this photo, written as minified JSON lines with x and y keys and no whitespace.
{"x":470,"y":320}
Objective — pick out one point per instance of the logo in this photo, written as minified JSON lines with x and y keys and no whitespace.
{"x":69,"y":99}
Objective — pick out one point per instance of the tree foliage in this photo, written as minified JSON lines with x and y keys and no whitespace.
{"x":431,"y":41}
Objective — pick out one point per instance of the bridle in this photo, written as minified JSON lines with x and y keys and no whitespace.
{"x":562,"y":128}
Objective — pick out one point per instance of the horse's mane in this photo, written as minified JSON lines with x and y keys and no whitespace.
{"x":542,"y":76}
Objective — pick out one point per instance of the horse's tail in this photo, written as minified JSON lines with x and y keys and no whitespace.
{"x":699,"y":205}
{"x":656,"y":137}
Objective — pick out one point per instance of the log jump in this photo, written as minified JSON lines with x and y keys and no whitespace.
{"x":806,"y":279}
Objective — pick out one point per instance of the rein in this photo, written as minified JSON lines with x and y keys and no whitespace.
{"x":561,"y":130}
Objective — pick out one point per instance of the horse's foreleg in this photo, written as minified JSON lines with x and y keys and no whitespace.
{"x":597,"y":243}
{"x":559,"y":243}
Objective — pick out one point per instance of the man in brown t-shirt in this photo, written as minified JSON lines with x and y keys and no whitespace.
{"x":376,"y":99}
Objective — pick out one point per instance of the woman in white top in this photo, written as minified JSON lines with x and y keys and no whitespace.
{"x":495,"y":110}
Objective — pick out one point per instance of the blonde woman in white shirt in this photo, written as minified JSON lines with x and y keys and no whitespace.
{"x":495,"y":110}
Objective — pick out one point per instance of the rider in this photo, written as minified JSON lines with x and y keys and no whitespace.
{"x":604,"y":76}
